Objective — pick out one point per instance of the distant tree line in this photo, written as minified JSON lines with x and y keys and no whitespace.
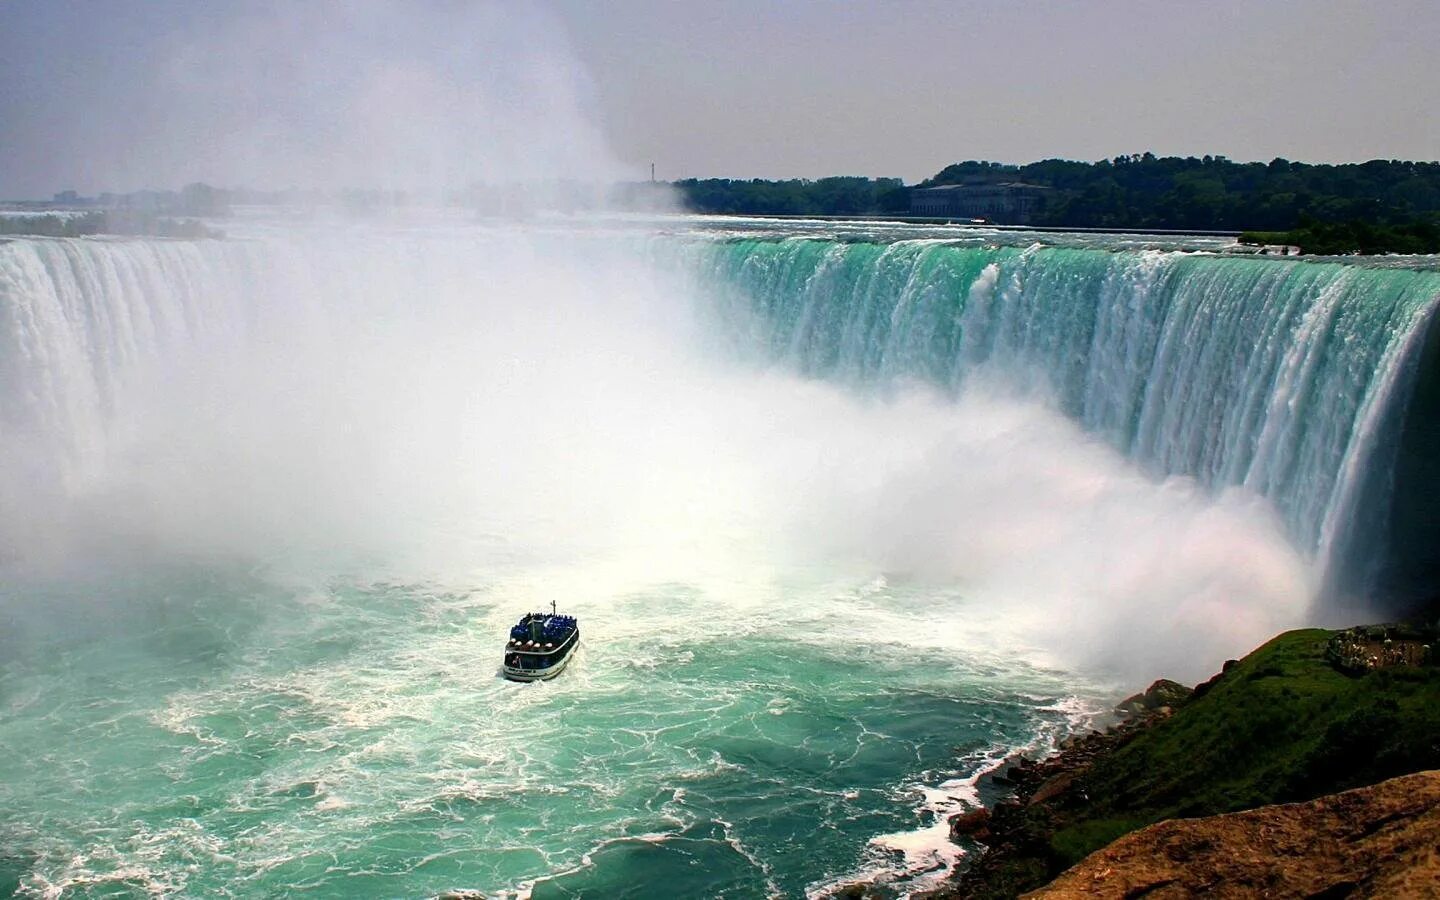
{"x":1212,"y":192}
{"x":1376,"y":206}
{"x":1335,"y":238}
{"x":1372,"y":207}
{"x":838,"y":196}
{"x":129,"y":222}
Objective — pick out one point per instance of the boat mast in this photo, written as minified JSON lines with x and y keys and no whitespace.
{"x":553,"y":612}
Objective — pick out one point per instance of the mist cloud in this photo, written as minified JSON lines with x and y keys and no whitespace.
{"x":275,"y":95}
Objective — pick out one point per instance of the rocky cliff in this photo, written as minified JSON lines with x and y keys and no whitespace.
{"x":1381,"y":841}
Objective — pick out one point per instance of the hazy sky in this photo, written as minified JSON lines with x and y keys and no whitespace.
{"x":97,"y":95}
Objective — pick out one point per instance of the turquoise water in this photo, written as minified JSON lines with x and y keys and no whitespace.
{"x":228,"y":738}
{"x":847,"y":514}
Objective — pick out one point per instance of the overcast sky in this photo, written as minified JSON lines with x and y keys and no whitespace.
{"x":122,"y":95}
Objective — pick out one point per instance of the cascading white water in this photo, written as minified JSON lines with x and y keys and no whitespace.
{"x":475,"y":395}
{"x":270,"y":504}
{"x":1286,"y":378}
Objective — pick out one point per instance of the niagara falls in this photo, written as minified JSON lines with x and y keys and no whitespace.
{"x":334,"y":341}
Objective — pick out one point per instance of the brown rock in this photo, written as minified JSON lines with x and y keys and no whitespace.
{"x":974,"y":824}
{"x":1205,"y":687}
{"x":1381,"y":841}
{"x":1163,"y":692}
{"x":1052,"y":788}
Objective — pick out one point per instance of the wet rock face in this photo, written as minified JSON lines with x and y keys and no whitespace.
{"x":974,"y":825}
{"x":1016,"y":831}
{"x":1381,"y":841}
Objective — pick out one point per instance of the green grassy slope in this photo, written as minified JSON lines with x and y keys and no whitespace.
{"x":1282,"y":725}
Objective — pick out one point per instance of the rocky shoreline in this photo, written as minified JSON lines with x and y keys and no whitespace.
{"x":1014,"y":830}
{"x":1275,"y":737}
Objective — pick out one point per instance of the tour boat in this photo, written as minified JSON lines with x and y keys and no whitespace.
{"x":540,"y":646}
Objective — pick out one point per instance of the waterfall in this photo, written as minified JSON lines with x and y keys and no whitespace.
{"x":1289,"y":378}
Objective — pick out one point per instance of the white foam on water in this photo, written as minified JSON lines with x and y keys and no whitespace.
{"x":921,"y":859}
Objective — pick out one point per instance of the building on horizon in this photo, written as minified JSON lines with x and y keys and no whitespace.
{"x":1002,"y":203}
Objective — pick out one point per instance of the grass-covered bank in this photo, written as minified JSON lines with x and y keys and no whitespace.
{"x":1341,"y":238}
{"x":1294,"y":720}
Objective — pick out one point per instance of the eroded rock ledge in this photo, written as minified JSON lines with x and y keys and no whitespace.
{"x":1381,"y":841}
